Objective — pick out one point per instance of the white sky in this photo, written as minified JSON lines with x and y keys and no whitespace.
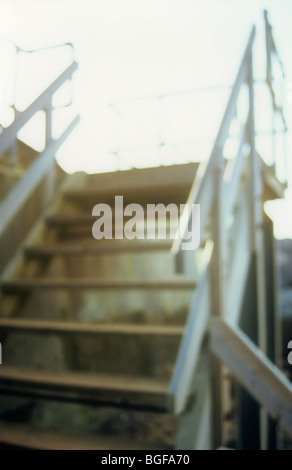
{"x":133,"y":48}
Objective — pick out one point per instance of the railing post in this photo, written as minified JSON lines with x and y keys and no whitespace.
{"x":51,"y":177}
{"x":218,"y":291}
{"x":14,"y":148}
{"x":257,"y":243}
{"x":257,"y":207}
{"x":269,"y":79}
{"x":219,"y":253}
{"x":48,"y":113}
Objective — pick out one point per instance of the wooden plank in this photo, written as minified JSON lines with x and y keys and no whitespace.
{"x":44,"y":326}
{"x":92,"y":387}
{"x":16,"y":285}
{"x":24,"y":188}
{"x":28,"y":437}
{"x":189,"y":350}
{"x":138,"y":191}
{"x":97,"y":249}
{"x":164,"y":178}
{"x":264,"y":381}
{"x":72,"y":220}
{"x":66,"y":220}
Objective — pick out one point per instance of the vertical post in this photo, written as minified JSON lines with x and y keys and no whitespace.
{"x":268,"y":48}
{"x":195,"y":423}
{"x":48,"y":112}
{"x":218,"y":289}
{"x":257,"y":214}
{"x":51,"y":177}
{"x":257,"y":241}
{"x":219,"y":252}
{"x":274,"y":352}
{"x":14,"y":149}
{"x":269,"y":79}
{"x":249,"y":409}
{"x":185,"y":263}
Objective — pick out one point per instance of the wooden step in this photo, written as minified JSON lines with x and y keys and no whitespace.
{"x":73,"y":220}
{"x":64,"y":220}
{"x":140,"y":182}
{"x":28,"y":437}
{"x":16,"y":285}
{"x":44,"y":326}
{"x":150,"y":194}
{"x":83,"y":387}
{"x":109,"y":247}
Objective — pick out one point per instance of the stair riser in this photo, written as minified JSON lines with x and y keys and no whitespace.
{"x":138,"y":307}
{"x":97,"y":250}
{"x":104,"y":425}
{"x":122,"y":354}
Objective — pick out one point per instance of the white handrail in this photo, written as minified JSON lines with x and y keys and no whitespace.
{"x":22,"y":50}
{"x":37,"y":49}
{"x":197,"y":190}
{"x":9,"y":134}
{"x":203,"y":192}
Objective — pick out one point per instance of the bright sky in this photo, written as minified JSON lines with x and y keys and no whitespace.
{"x":135,"y":48}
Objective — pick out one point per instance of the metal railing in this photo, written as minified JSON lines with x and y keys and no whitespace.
{"x":20,"y":50}
{"x":128,"y":109}
{"x":277,"y":102}
{"x":131,"y":111}
{"x":211,"y":192}
{"x":45,"y":160}
{"x":230,"y":192}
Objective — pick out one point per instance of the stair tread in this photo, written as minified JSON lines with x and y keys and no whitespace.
{"x":65,"y":219}
{"x":111,"y":247}
{"x":78,"y":381}
{"x":157,"y":179}
{"x":23,"y":284}
{"x":91,"y":328}
{"x":78,"y":217}
{"x":22,"y":435}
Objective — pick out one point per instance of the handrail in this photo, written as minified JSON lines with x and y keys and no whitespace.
{"x":209,"y":184}
{"x":198,"y":189}
{"x":190,"y":345}
{"x":22,"y":50}
{"x":22,"y":190}
{"x":37,"y":49}
{"x":236,"y":240}
{"x":266,"y":383}
{"x":271,"y":49}
{"x":202,"y":89}
{"x":119,"y":110}
{"x":45,"y":161}
{"x":9,"y":134}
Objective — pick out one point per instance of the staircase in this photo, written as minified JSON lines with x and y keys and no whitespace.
{"x":95,"y":322}
{"x":139,"y":344}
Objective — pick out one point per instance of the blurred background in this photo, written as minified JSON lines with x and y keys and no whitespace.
{"x":153,"y":77}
